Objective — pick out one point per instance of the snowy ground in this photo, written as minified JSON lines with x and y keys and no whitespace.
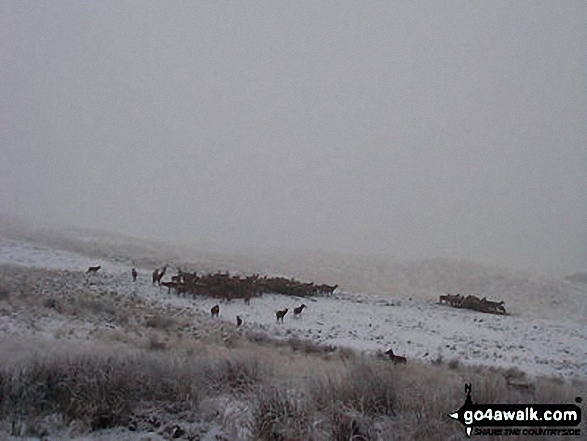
{"x":417,"y":328}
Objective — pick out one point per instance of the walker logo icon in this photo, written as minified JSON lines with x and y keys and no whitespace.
{"x":504,"y":419}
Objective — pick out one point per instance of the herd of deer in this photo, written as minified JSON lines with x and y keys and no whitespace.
{"x":473,"y":302}
{"x":223,"y":285}
{"x":226,"y":286}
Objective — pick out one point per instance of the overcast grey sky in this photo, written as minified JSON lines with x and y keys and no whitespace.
{"x":414,"y":129}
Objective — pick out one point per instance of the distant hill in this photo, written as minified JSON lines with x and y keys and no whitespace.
{"x":523,"y":292}
{"x":577,"y":277}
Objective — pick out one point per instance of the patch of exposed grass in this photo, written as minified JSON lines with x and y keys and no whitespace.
{"x":155,"y":344}
{"x":98,"y":307}
{"x":346,"y":424}
{"x":100,"y":392}
{"x":309,"y":346}
{"x":50,"y":303}
{"x":234,"y":374}
{"x":360,"y":398}
{"x":4,"y":292}
{"x":281,"y":415}
{"x":161,"y":322}
{"x":368,"y":387}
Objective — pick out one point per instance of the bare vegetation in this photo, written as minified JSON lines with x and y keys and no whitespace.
{"x":161,"y":322}
{"x":368,"y":387}
{"x":364,"y":398}
{"x":97,"y":392}
{"x":281,"y":415}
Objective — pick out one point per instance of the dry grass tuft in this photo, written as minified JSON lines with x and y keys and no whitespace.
{"x":50,"y":303}
{"x":161,"y":322}
{"x":368,"y":387}
{"x":309,"y":346}
{"x":454,"y":363}
{"x":280,"y":415}
{"x":155,"y":344}
{"x":346,"y":425}
{"x":98,"y":392}
{"x":236,"y":375}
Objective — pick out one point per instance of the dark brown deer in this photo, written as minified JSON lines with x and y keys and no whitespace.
{"x":456,"y":300}
{"x":397,"y":359}
{"x":496,"y":307}
{"x":134,"y":275}
{"x":239,"y":321}
{"x":280,"y":315}
{"x":327,"y":289}
{"x":170,"y":285}
{"x":446,"y":298}
{"x":158,"y":275}
{"x":161,"y":274}
{"x":298,"y":310}
{"x":93,"y":269}
{"x":215,"y":311}
{"x":450,"y":299}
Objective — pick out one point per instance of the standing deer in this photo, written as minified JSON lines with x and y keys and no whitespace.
{"x":215,"y":311}
{"x":161,"y":274}
{"x":327,"y":289}
{"x":134,"y":275}
{"x":158,"y":275}
{"x":397,"y":359}
{"x":298,"y":310}
{"x":239,"y":321}
{"x":280,"y":315}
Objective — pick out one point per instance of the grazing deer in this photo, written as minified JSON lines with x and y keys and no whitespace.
{"x":446,"y":298}
{"x":450,"y":299}
{"x":134,"y":275}
{"x":456,"y":300}
{"x":397,"y":359}
{"x":501,"y":309}
{"x":93,"y":269}
{"x":280,"y":315}
{"x":170,"y":285}
{"x":327,"y":289}
{"x":494,"y":306}
{"x":239,"y":321}
{"x":215,"y":311}
{"x":298,"y":310}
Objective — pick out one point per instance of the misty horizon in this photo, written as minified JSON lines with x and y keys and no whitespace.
{"x":410,"y":130}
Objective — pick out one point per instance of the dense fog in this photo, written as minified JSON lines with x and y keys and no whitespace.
{"x":407,"y":129}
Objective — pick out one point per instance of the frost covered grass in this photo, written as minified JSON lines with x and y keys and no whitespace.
{"x":166,"y":391}
{"x":96,"y":392}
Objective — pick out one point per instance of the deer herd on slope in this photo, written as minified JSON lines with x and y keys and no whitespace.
{"x":223,"y":285}
{"x":474,"y":303}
